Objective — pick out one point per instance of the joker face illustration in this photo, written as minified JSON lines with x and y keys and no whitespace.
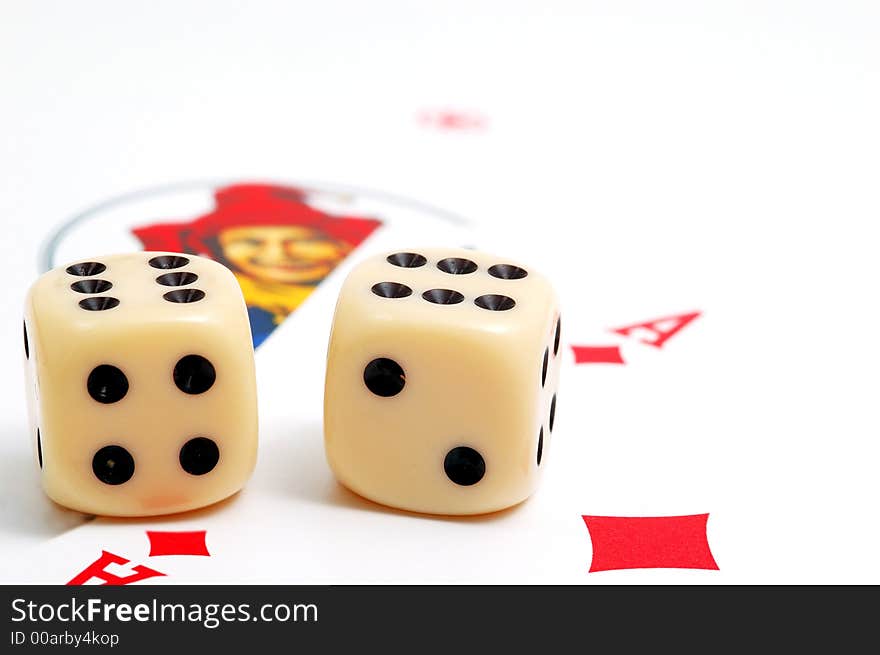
{"x":282,"y":241}
{"x":281,"y":254}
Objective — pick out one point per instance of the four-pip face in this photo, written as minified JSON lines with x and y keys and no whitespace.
{"x":442,"y":372}
{"x":141,"y":383}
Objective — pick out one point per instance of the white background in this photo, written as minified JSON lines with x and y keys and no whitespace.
{"x":651,"y":157}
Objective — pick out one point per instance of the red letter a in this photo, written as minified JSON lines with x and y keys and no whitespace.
{"x":97,"y":569}
{"x":662,"y":328}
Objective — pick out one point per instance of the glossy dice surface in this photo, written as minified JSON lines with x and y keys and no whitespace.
{"x":441,"y":380}
{"x":141,"y":383}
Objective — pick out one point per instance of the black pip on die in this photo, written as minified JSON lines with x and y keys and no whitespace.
{"x":442,"y":373}
{"x":140,"y":373}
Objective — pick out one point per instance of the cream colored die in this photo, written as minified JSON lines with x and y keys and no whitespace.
{"x":140,"y":372}
{"x":441,"y":381}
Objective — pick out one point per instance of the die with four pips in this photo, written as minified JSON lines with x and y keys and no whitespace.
{"x":141,"y":383}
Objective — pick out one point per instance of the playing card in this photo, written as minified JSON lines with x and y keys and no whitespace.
{"x":294,"y":523}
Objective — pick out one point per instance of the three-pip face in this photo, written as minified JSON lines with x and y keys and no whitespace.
{"x":141,"y":382}
{"x":442,"y":373}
